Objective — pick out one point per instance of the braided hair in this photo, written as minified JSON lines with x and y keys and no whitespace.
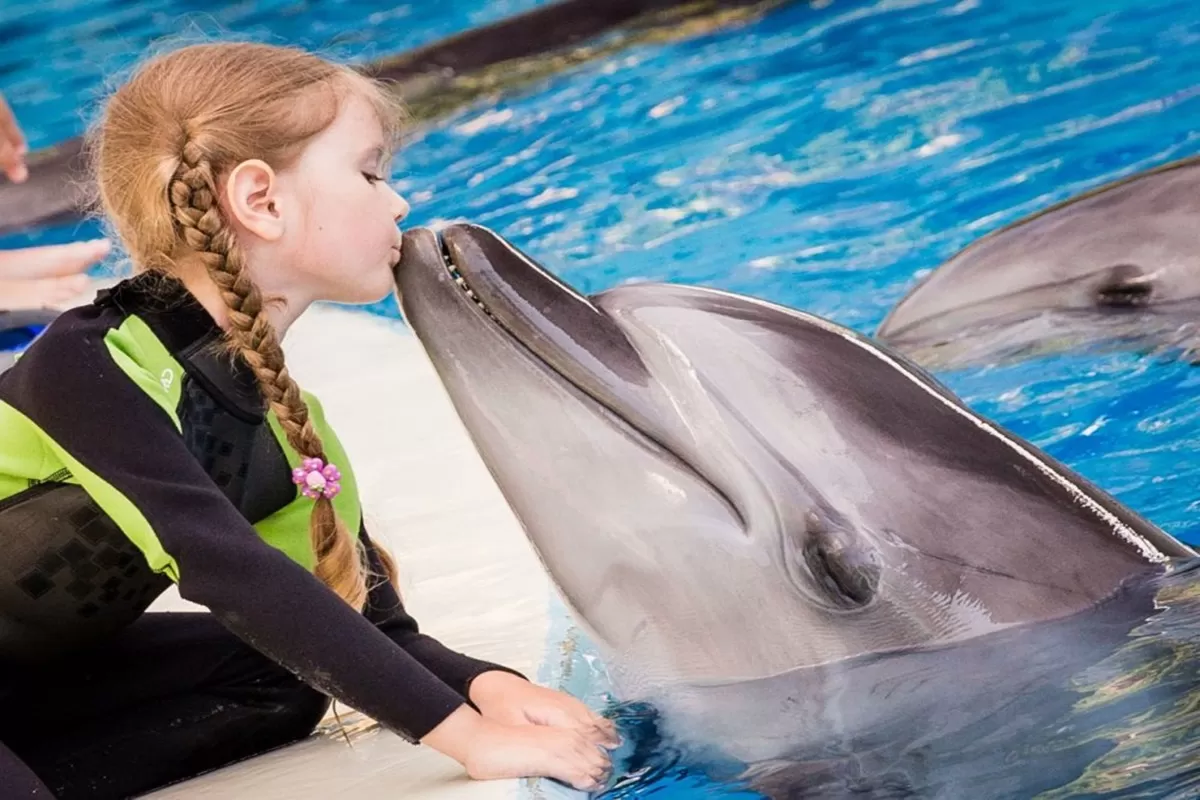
{"x":166,"y":138}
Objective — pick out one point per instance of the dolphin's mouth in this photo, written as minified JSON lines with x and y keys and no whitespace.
{"x":459,"y":279}
{"x":547,"y":350}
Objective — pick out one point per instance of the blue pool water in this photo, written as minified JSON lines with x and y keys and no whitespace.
{"x":824,"y":157}
{"x":59,"y":57}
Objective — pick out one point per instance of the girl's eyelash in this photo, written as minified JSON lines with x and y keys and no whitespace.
{"x":372,"y":178}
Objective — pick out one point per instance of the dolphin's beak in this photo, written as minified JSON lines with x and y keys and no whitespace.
{"x":469,"y":278}
{"x":557,"y":324}
{"x":420,"y":249}
{"x":542,"y":312}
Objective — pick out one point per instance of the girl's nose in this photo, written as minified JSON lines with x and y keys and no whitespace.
{"x":400,"y":206}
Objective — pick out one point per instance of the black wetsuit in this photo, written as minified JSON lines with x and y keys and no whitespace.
{"x":132,"y":453}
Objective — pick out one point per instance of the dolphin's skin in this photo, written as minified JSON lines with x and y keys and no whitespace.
{"x":1116,"y":265}
{"x":735,"y":497}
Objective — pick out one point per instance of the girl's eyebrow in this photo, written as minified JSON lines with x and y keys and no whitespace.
{"x":376,"y":152}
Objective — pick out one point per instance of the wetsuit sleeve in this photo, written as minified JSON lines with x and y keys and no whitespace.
{"x":134,"y":452}
{"x":385,"y":609}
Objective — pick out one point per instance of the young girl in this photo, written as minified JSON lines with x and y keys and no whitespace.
{"x":156,"y":436}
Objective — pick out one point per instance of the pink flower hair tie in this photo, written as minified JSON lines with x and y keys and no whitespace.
{"x":317,"y":479}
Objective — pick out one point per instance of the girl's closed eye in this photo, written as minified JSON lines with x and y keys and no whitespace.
{"x":372,"y":179}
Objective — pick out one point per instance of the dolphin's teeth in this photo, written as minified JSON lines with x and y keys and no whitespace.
{"x":462,"y":284}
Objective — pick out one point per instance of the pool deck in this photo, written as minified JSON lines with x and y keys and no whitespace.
{"x":467,"y":572}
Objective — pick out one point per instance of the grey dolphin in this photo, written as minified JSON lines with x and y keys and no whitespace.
{"x":730,"y":494}
{"x":1119,"y":264}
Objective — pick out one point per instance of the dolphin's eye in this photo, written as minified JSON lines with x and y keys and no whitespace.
{"x":845,"y":567}
{"x":1126,"y":286}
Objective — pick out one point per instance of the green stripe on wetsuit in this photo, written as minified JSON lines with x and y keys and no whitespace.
{"x":30,"y":456}
{"x":92,"y":388}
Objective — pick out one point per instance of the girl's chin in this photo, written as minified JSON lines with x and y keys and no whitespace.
{"x":367,"y":293}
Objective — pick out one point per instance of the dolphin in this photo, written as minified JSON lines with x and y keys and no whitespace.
{"x":750,"y":509}
{"x":1117,"y":265}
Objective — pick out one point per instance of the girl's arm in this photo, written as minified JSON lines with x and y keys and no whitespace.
{"x":124,"y":448}
{"x":385,"y":609}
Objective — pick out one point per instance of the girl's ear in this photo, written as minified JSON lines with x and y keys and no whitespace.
{"x":253,"y":199}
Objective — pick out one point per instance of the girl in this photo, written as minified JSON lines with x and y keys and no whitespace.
{"x":156,"y":436}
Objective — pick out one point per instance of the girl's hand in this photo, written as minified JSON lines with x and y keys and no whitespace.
{"x":490,"y":750}
{"x":508,"y":699}
{"x":517,"y":751}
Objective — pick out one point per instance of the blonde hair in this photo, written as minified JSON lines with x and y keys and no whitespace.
{"x":162,"y":144}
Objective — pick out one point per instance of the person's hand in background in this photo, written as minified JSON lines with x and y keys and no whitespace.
{"x":38,"y":277}
{"x":12,"y":145}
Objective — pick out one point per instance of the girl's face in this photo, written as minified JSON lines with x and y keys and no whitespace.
{"x":338,"y":239}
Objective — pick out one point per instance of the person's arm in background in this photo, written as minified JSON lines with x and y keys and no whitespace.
{"x":38,"y":277}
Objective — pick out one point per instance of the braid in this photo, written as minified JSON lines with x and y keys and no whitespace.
{"x":193,"y":199}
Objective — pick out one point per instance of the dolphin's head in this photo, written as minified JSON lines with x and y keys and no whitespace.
{"x":724,"y":488}
{"x":1120,"y":262}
